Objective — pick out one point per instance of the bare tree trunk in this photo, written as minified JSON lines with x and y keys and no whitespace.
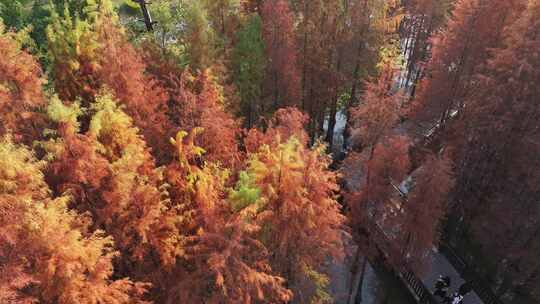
{"x":146,"y":14}
{"x":321,"y":118}
{"x":222,"y":13}
{"x":304,"y":52}
{"x":333,"y":108}
{"x":355,"y":78}
{"x":250,"y":114}
{"x":355,"y":290}
{"x":352,"y":99}
{"x":276,"y":92}
{"x":332,"y":122}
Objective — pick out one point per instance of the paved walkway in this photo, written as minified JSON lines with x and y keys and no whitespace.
{"x":377,"y":288}
{"x":440,"y":265}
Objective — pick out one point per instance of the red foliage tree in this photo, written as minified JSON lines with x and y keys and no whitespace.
{"x":372,"y":124}
{"x":48,"y":255}
{"x":230,"y":265}
{"x":458,"y":52}
{"x":222,"y":261}
{"x":379,"y":111}
{"x":498,"y":164}
{"x":387,"y":168}
{"x":371,"y":176}
{"x":110,"y":173}
{"x":423,"y":19}
{"x":20,"y":90}
{"x":285,"y":123}
{"x":282,"y":81}
{"x":321,"y":34}
{"x":297,"y":209}
{"x":424,"y":209}
{"x":88,"y":56}
{"x":373,"y":181}
{"x":199,"y":103}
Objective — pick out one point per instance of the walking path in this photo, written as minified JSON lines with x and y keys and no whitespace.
{"x":439,"y":265}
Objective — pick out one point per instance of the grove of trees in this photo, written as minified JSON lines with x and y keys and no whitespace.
{"x":227,"y":152}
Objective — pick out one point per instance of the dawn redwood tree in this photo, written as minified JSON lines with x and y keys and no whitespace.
{"x":374,"y":25}
{"x":123,"y":73}
{"x":223,"y":260}
{"x":200,"y":37}
{"x":297,"y":208}
{"x":20,"y":90}
{"x":319,"y":34}
{"x":73,"y":69}
{"x":199,"y":102}
{"x":135,"y":210}
{"x":110,"y":174}
{"x":371,"y":195}
{"x":339,"y":32}
{"x":182,"y":175}
{"x":423,"y":18}
{"x":285,"y":123}
{"x":388,"y":167}
{"x":424,"y":209}
{"x":248,"y":65}
{"x":379,"y":110}
{"x":282,"y":78}
{"x":223,"y":15}
{"x":230,"y":265}
{"x":375,"y":193}
{"x":497,"y":174}
{"x":221,"y":129}
{"x":48,"y":253}
{"x":90,"y":55}
{"x":457,"y":52}
{"x":372,"y":122}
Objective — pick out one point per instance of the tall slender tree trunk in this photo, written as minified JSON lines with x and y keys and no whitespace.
{"x":312,"y":121}
{"x":352,"y":99}
{"x":146,"y":15}
{"x":321,"y":118}
{"x":304,"y":52}
{"x":455,"y":88}
{"x":415,"y":84}
{"x":360,"y":276}
{"x":355,"y":78}
{"x":222,"y":13}
{"x":332,"y":122}
{"x":250,"y":114}
{"x":276,"y":91}
{"x":333,"y":110}
{"x":355,"y":290}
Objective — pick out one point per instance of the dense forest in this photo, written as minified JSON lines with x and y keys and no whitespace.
{"x":229,"y":151}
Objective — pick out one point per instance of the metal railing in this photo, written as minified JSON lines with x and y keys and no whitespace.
{"x":415,"y":285}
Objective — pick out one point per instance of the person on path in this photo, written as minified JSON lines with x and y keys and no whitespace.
{"x":441,"y":287}
{"x":457,"y":299}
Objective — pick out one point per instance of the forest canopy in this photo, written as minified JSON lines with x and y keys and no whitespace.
{"x":233,"y":151}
